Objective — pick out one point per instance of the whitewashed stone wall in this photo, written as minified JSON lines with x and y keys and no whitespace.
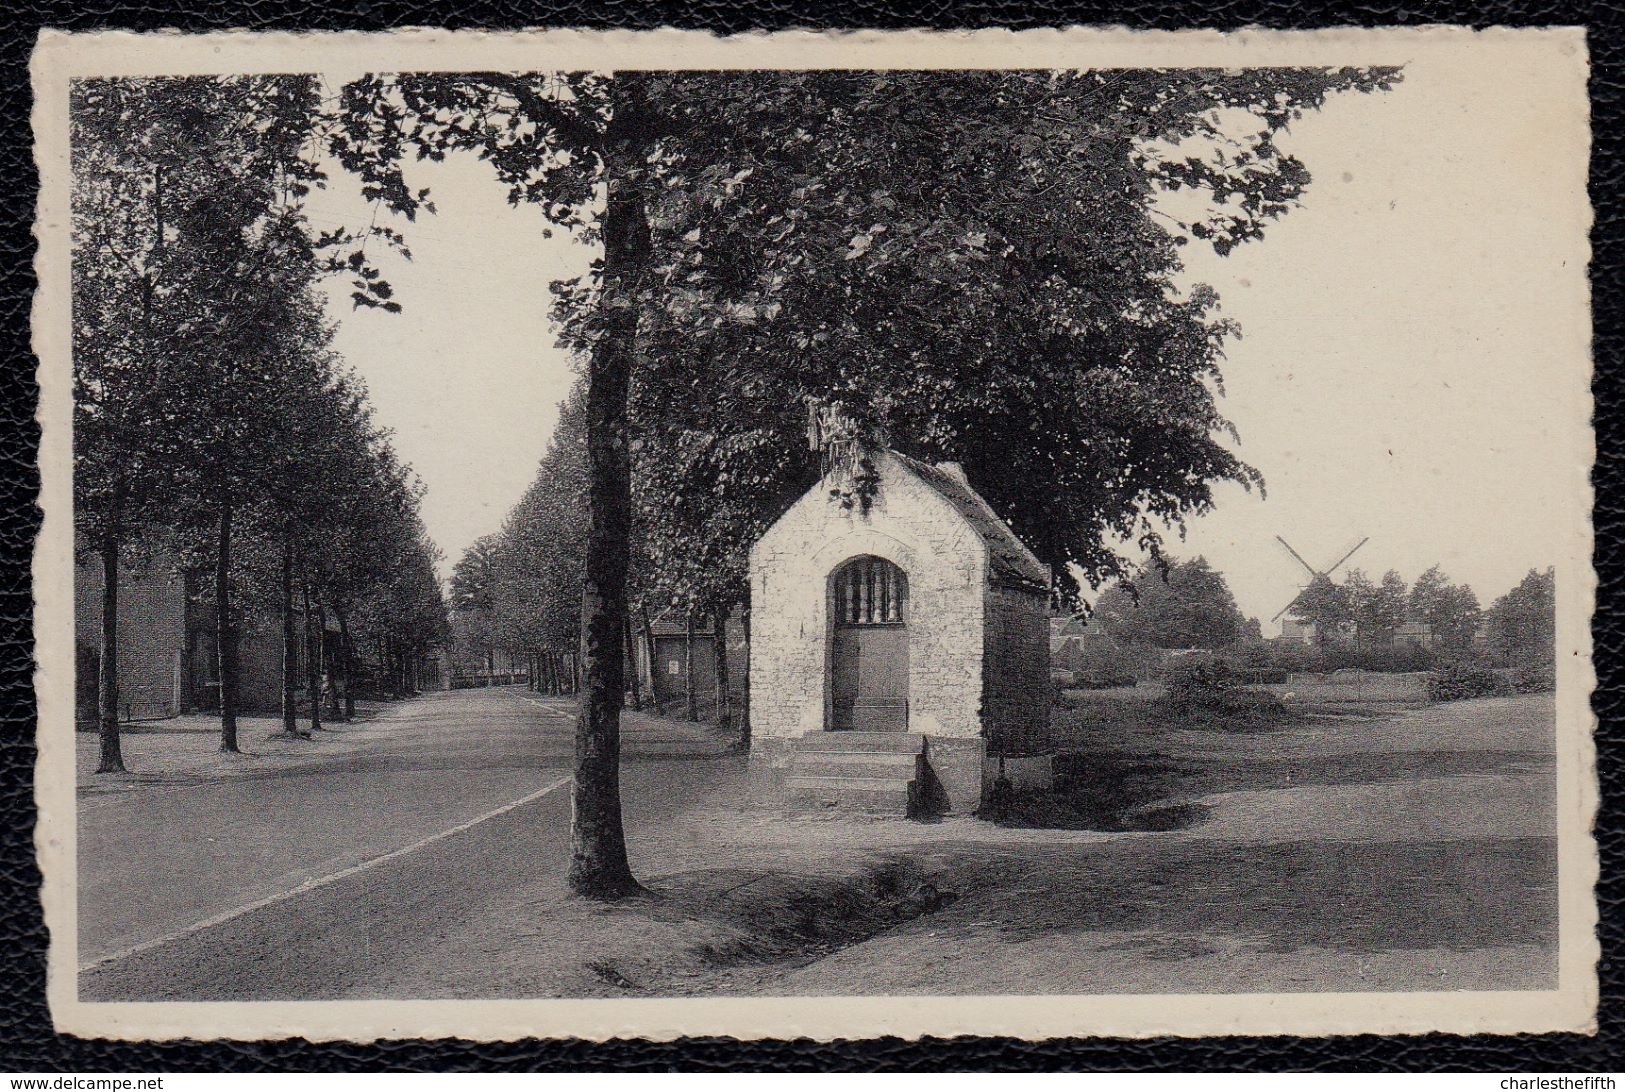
{"x":792,"y":624}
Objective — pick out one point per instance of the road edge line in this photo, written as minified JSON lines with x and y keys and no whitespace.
{"x":544,"y":706}
{"x":318,"y":882}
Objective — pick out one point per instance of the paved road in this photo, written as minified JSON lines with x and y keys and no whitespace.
{"x":465,"y":794}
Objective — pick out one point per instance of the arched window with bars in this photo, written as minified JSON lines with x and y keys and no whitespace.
{"x":870,"y":591}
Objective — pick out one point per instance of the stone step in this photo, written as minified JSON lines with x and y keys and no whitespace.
{"x":881,"y":764}
{"x":849,"y":742}
{"x":890,"y":795}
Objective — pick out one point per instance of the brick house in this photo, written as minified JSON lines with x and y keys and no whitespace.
{"x":666,"y":676}
{"x":168,"y":663}
{"x":896,"y":645}
{"x":154,"y":661}
{"x":259,"y":658}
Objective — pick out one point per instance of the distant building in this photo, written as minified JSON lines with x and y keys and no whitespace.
{"x":259,"y":658}
{"x":1415,"y":633}
{"x":1308,"y":633}
{"x":168,"y":662}
{"x":472,"y":660}
{"x":1072,"y":640}
{"x":666,"y":675}
{"x":1072,"y":625}
{"x":1292,"y":629}
{"x":154,"y":650}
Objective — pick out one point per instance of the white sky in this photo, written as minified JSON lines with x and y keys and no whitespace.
{"x":1409,"y":370}
{"x":467,"y":375}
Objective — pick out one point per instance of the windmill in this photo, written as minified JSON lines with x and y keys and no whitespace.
{"x":1315,"y":575}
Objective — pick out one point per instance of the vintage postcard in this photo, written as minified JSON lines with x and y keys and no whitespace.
{"x":612,"y":534}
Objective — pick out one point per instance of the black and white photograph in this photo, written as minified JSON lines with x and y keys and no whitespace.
{"x":653,"y":534}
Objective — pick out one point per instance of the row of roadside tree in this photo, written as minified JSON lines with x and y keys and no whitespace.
{"x":214,"y":424}
{"x":516,"y":594}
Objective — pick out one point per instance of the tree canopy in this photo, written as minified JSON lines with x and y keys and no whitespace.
{"x":541,"y":551}
{"x":1376,"y":609}
{"x":980,"y":265}
{"x":976,"y":265}
{"x":1186,"y":605}
{"x":1522,"y":624}
{"x":1450,"y":610}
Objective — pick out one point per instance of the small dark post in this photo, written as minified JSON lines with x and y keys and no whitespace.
{"x":691,"y":706}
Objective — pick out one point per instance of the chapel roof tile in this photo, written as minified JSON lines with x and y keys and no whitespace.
{"x":1011,"y":563}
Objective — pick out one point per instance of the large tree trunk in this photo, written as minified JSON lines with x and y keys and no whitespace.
{"x":112,"y":756}
{"x":598,"y":864}
{"x":225,"y":633}
{"x":691,"y":697}
{"x":313,"y":661}
{"x":290,"y":647}
{"x":719,"y":649}
{"x":744,"y":693}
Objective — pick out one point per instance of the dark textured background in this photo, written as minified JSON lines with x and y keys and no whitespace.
{"x":27,"y":1043}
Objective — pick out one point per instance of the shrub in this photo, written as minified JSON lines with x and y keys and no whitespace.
{"x":1199,"y":681}
{"x":1103,"y":677}
{"x":1270,"y":661}
{"x":1539,"y":677}
{"x":1394,"y":657}
{"x":1251,"y":704}
{"x":1097,"y":665}
{"x":1460,"y":680}
{"x":1258,"y":659}
{"x":1260,"y":676}
{"x":1207,"y":691}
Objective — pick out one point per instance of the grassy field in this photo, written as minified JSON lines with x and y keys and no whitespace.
{"x":1130,"y":762}
{"x":1411,"y":852}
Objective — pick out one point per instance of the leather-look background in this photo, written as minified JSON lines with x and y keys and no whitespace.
{"x":27,"y":1043}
